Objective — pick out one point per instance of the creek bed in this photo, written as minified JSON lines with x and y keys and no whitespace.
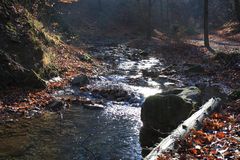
{"x":111,"y":133}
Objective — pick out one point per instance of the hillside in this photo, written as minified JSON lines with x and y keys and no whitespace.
{"x":25,"y":46}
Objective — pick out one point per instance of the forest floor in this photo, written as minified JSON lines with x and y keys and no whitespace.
{"x":218,"y":138}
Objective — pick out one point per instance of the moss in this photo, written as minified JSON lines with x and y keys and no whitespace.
{"x":48,"y":58}
{"x":86,"y":57}
{"x":165,"y":111}
{"x":12,"y":31}
{"x":11,"y":28}
{"x":49,"y":69}
{"x":43,"y":41}
{"x":48,"y":72}
{"x":38,"y":33}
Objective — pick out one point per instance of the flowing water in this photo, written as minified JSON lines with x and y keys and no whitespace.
{"x":80,"y":133}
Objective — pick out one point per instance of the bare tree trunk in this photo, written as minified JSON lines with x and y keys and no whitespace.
{"x":168,"y":17}
{"x":139,"y":8}
{"x":149,"y":24}
{"x":206,"y":32}
{"x":237,"y":9}
{"x":100,"y":5}
{"x":161,"y":8}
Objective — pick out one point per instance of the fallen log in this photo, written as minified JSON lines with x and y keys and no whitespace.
{"x":192,"y":122}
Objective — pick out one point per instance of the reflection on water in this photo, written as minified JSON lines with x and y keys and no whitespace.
{"x":146,"y":91}
{"x":82,"y":134}
{"x":107,"y":134}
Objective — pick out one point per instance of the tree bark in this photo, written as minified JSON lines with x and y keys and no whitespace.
{"x":237,"y":9}
{"x":100,"y":5}
{"x":161,"y":9}
{"x":168,"y":17}
{"x":149,"y":25}
{"x":206,"y":31}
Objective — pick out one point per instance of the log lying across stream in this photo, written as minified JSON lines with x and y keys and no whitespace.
{"x":192,"y":122}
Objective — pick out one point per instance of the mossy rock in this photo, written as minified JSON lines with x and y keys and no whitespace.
{"x":14,"y":74}
{"x":167,"y":110}
{"x":190,"y":94}
{"x":164,"y":112}
{"x":49,"y":72}
{"x":85,"y":57}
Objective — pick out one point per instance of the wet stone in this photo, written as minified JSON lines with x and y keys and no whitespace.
{"x":113,"y":94}
{"x":80,"y":81}
{"x":56,"y":105}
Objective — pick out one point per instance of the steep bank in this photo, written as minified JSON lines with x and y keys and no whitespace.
{"x":30,"y":55}
{"x":26,"y":46}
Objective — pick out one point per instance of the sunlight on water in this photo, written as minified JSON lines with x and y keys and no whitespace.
{"x":147,"y":64}
{"x":146,"y":91}
{"x":127,"y":65}
{"x":125,"y":111}
{"x":152,"y":83}
{"x":141,"y":65}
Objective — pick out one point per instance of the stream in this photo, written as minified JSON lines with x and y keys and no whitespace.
{"x":107,"y":133}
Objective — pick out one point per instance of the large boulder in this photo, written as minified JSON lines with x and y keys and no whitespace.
{"x":13,"y":73}
{"x":163,"y":112}
{"x":166,"y":110}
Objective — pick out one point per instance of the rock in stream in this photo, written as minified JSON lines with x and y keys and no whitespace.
{"x":163,"y":112}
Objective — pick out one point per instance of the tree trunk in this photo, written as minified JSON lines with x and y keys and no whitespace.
{"x":100,"y":5}
{"x":206,"y":32}
{"x":161,"y":9}
{"x":149,"y":24}
{"x":237,"y":9}
{"x":168,"y":18}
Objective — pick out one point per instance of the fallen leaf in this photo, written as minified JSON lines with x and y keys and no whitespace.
{"x":220,"y":135}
